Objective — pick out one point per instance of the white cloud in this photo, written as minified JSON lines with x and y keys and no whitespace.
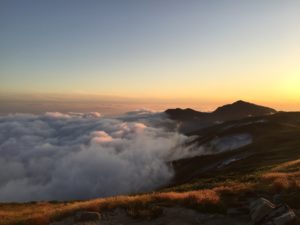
{"x":70,"y":156}
{"x":79,"y":156}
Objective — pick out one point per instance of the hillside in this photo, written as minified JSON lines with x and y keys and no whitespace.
{"x":245,"y":159}
{"x":241,"y":109}
{"x":272,"y":140}
{"x":191,"y":120}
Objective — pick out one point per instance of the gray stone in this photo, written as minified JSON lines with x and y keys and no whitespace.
{"x":259,"y":209}
{"x":285,"y":218}
{"x":279,"y":210}
{"x":281,"y":215}
{"x":263,"y":212}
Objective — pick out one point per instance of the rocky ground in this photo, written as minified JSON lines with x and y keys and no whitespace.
{"x":170,"y":216}
{"x":260,"y":212}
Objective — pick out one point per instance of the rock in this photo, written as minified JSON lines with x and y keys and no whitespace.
{"x":263,"y":212}
{"x":281,"y":215}
{"x":259,"y":209}
{"x":279,"y":210}
{"x":285,"y":218}
{"x":85,"y":216}
{"x":277,"y":199}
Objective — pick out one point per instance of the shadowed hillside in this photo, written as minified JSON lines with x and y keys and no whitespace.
{"x":274,"y":139}
{"x":191,"y":120}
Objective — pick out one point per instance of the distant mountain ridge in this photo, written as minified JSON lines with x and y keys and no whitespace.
{"x":192,"y":120}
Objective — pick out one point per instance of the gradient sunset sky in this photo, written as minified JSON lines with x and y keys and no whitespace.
{"x":151,"y":52}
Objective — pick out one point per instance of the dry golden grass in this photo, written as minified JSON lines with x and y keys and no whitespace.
{"x":288,"y":166}
{"x":234,"y":188}
{"x":146,"y":205}
{"x":282,"y":181}
{"x":284,"y":177}
{"x":139,"y":205}
{"x":191,"y":197}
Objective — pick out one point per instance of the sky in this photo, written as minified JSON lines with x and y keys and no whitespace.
{"x":123,"y":54}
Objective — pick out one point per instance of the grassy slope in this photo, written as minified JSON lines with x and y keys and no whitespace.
{"x":275,"y":141}
{"x":273,"y":167}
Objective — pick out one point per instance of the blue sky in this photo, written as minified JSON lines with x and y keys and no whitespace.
{"x":199,"y":50}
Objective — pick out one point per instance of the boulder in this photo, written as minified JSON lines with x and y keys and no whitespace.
{"x":259,"y":209}
{"x":279,"y":210}
{"x":285,"y":218}
{"x":264,"y":212}
{"x":84,"y":216}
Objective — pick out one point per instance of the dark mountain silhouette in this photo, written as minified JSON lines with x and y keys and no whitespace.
{"x":242,"y":109}
{"x":192,"y":120}
{"x":185,"y":114}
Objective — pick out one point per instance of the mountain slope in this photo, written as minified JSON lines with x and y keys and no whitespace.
{"x":241,"y":109}
{"x":192,"y":120}
{"x":273,"y":139}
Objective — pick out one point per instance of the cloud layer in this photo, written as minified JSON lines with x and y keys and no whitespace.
{"x":58,"y":156}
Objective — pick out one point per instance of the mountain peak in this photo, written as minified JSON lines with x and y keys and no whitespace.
{"x":244,"y":108}
{"x":192,"y":120}
{"x":241,"y":102}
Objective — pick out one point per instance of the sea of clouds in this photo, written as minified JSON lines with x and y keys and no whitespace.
{"x":56,"y":156}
